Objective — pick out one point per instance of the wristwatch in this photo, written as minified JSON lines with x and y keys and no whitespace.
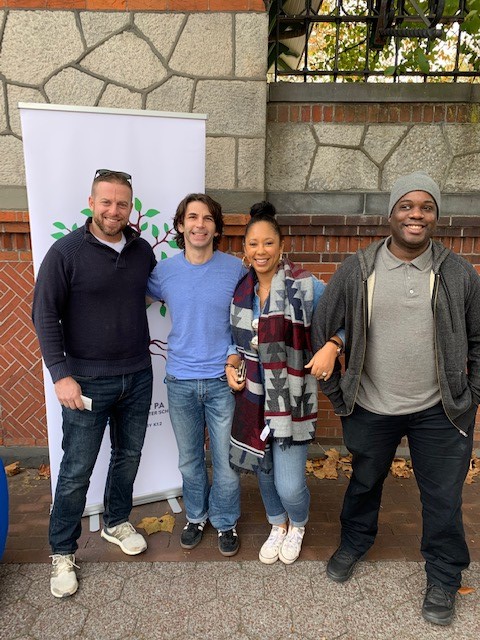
{"x":338,"y":345}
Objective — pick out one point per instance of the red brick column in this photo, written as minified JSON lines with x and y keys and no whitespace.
{"x":22,"y":406}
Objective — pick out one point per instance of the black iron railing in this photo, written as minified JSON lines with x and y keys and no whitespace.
{"x":374,"y":40}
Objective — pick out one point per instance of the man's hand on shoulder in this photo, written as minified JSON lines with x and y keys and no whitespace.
{"x":68,"y":393}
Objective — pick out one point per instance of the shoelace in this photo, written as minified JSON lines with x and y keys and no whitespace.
{"x":437,"y":595}
{"x":276,"y":534}
{"x":60,"y":562}
{"x":344,"y":555}
{"x":124,"y":530}
{"x":231,"y":533}
{"x":294,"y":537}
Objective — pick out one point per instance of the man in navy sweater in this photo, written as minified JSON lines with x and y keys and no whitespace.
{"x":90,"y":316}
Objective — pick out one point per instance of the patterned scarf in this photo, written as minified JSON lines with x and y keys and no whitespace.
{"x":280,"y":396}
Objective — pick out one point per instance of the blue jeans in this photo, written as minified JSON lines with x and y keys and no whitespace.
{"x":124,"y":402}
{"x":194,"y":405}
{"x":440,"y":460}
{"x":284,"y":490}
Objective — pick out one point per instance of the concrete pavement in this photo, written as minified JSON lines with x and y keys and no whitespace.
{"x":168,"y":593}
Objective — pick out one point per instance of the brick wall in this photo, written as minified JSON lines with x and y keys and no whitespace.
{"x":318,"y":242}
{"x":22,"y":407}
{"x":374,"y":113}
{"x":137,"y":5}
{"x":321,"y":243}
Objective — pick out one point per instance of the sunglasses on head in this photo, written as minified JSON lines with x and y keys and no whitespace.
{"x":101,"y":173}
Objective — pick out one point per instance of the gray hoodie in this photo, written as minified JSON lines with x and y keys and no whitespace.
{"x":456,"y":312}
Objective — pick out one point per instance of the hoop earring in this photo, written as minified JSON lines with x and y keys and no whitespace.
{"x":246,"y":266}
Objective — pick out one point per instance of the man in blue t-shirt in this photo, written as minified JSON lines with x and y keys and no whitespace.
{"x":197,"y":286}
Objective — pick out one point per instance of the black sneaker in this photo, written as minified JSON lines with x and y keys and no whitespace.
{"x":438,"y":605}
{"x":341,"y":565}
{"x":192,"y":534}
{"x":228,"y":542}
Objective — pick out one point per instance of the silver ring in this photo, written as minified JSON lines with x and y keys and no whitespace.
{"x":324,"y":374}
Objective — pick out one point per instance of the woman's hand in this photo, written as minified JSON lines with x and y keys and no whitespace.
{"x":231,"y":371}
{"x":322,"y":363}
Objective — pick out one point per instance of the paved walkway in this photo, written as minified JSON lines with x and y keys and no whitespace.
{"x":168,"y":593}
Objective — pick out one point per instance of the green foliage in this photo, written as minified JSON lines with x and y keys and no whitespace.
{"x":345,"y":49}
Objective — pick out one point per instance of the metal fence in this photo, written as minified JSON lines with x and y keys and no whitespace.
{"x":374,"y":41}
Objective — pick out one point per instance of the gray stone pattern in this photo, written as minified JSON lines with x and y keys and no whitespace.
{"x":208,"y":63}
{"x":343,"y":161}
{"x":237,"y":600}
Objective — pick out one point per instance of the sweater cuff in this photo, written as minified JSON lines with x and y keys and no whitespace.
{"x":59,"y":371}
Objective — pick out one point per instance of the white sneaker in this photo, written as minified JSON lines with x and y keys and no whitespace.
{"x":127,"y":538}
{"x":63,"y":580}
{"x":292,"y":545}
{"x":269,"y":552}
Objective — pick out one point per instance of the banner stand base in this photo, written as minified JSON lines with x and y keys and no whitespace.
{"x":174,"y":505}
{"x":94,"y":522}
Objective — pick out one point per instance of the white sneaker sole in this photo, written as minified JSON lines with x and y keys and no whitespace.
{"x":119,"y":543}
{"x":266,"y":560}
{"x":59,"y":594}
{"x":286,"y":560}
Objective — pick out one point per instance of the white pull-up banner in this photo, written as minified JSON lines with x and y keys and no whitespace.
{"x":165,"y":154}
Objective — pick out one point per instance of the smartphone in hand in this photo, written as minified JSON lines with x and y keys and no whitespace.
{"x":241,"y":372}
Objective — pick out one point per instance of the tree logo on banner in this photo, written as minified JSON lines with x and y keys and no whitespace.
{"x":141,"y":226}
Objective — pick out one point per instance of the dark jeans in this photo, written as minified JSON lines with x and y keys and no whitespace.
{"x":124,"y":402}
{"x":440,"y":458}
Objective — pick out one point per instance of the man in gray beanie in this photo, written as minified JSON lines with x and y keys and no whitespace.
{"x":411,"y":312}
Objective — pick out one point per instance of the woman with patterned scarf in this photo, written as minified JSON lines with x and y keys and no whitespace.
{"x":276,"y":397}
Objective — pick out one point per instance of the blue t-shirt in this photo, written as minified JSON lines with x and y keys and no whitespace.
{"x":198,"y":298}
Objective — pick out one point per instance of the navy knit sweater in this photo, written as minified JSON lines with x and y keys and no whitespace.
{"x":89,"y":306}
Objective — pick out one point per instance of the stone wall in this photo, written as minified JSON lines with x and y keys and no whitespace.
{"x":339,"y":150}
{"x":196,"y":56}
{"x":210,"y":62}
{"x":334,"y":151}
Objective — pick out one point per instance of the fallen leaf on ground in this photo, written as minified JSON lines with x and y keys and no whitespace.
{"x":326,"y":472}
{"x":44,"y":471}
{"x":325,"y":468}
{"x":13,"y":469}
{"x":464,"y":591}
{"x":332,"y":454}
{"x":401,"y":468}
{"x":474,"y":469}
{"x":153,"y":525}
